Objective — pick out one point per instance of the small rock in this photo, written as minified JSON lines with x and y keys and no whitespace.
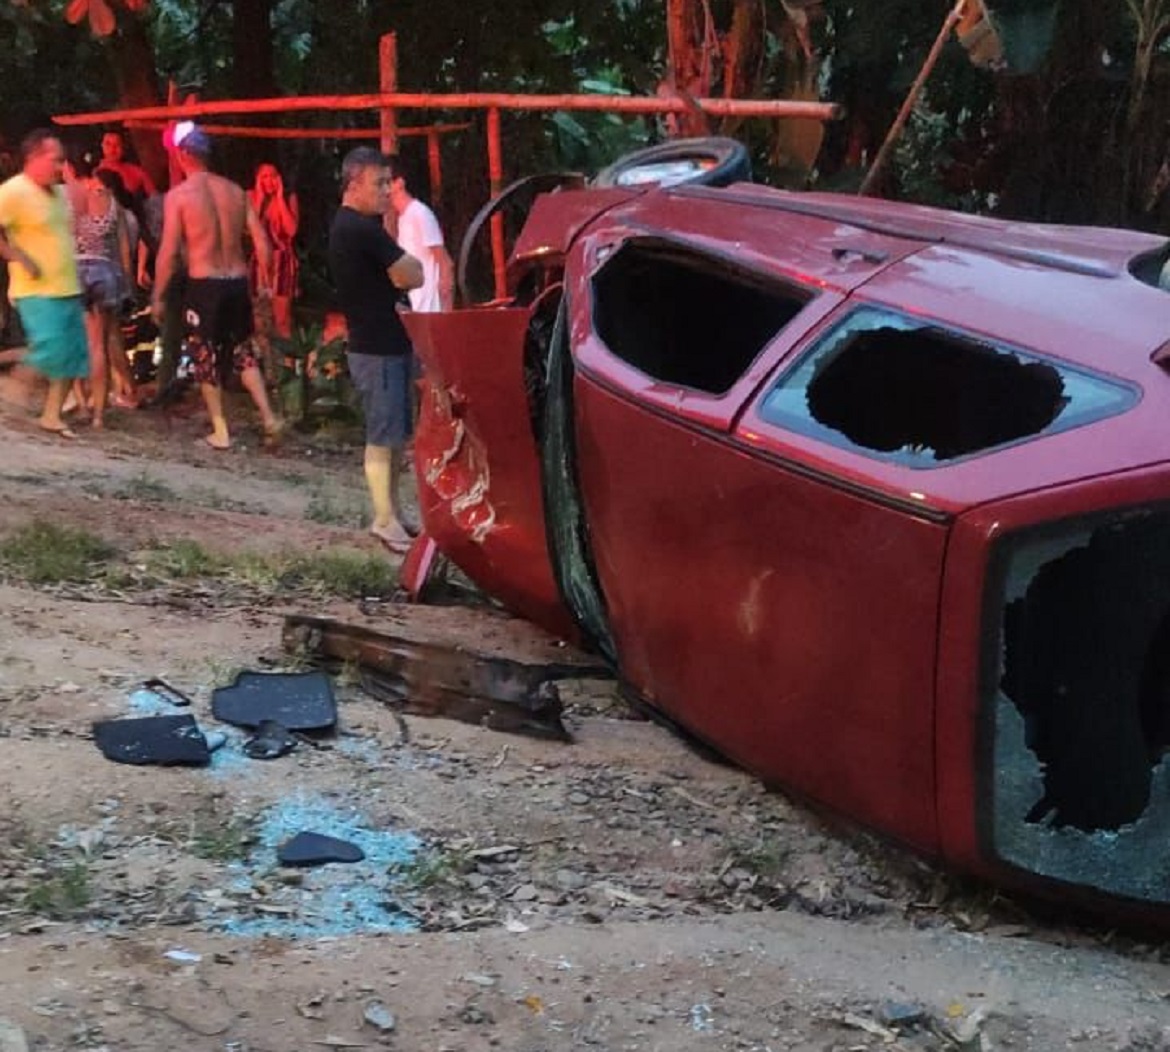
{"x":569,"y":881}
{"x":525,"y":893}
{"x":379,"y":1016}
{"x":12,"y":1037}
{"x":578,"y":799}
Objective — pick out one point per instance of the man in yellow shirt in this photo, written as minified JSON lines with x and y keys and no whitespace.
{"x":36,"y":238}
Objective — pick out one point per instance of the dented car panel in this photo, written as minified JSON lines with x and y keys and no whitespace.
{"x":872,"y":498}
{"x":476,"y":459}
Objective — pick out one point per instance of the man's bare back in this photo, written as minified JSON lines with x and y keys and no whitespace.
{"x":212,"y":214}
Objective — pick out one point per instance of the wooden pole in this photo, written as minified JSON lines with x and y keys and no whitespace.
{"x":820,"y":111}
{"x":435,"y":167}
{"x":895,"y":131}
{"x":248,"y":131}
{"x":388,"y":82}
{"x":496,"y":179}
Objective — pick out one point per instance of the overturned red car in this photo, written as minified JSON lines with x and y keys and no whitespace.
{"x":872,"y":498}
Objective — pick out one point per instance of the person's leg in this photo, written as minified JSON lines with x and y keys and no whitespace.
{"x":377,"y":463}
{"x":122,"y":378}
{"x":401,"y":377}
{"x":95,"y":332}
{"x":213,"y":400}
{"x":51,"y":419}
{"x":253,"y":381}
{"x":282,"y":316}
{"x":371,"y":377}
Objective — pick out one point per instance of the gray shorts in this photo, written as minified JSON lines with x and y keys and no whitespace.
{"x":384,"y":383}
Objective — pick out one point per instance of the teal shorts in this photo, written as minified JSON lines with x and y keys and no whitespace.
{"x":55,"y":329}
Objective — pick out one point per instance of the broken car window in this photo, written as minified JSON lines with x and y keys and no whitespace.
{"x":687,"y":319}
{"x":1079,"y":765}
{"x":908,"y":390}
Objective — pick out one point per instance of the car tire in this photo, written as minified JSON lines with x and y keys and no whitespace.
{"x":731,"y":162}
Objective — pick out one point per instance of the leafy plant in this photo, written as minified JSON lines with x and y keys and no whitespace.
{"x":44,"y":553}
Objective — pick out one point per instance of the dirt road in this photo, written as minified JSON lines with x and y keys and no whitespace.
{"x":618,"y":892}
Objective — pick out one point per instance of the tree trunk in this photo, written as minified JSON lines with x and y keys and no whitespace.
{"x":253,"y":65}
{"x":131,"y":55}
{"x":690,"y":66}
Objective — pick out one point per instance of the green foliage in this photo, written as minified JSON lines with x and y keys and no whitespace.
{"x":63,"y":892}
{"x":44,"y":553}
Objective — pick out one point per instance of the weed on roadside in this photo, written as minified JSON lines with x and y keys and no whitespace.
{"x":44,"y":553}
{"x":145,"y":487}
{"x":216,"y":841}
{"x":63,"y":891}
{"x":432,"y":868}
{"x":324,"y":507}
{"x":184,"y":559}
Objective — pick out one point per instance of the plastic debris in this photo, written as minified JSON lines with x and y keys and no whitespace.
{"x":153,"y":740}
{"x":316,"y":849}
{"x":299,"y":701}
{"x":270,"y":740}
{"x":380,"y":1017}
{"x":12,"y":1037}
{"x":183,"y":956}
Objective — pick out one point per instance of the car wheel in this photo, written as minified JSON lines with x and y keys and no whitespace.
{"x":708,"y":161}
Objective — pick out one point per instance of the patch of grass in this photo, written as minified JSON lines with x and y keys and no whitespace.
{"x":325,"y":508}
{"x":210,"y":497}
{"x":184,"y":559}
{"x":432,"y":868}
{"x":345,"y":573}
{"x":144,"y":487}
{"x":222,"y":842}
{"x":64,"y":892}
{"x":44,"y":553}
{"x":762,"y":858}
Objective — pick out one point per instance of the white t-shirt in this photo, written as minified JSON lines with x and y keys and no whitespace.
{"x":418,"y":233}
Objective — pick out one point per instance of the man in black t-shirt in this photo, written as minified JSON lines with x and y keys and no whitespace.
{"x":371,"y":272}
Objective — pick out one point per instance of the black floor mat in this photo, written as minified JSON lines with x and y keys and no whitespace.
{"x":153,"y":739}
{"x":315,"y":849}
{"x":299,"y":701}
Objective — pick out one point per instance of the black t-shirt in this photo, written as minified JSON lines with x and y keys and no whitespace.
{"x":360,"y":252}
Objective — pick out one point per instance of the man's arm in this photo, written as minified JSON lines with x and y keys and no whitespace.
{"x":406,"y":272}
{"x":11,"y":254}
{"x":260,"y":244}
{"x":446,"y":267}
{"x":168,"y":252}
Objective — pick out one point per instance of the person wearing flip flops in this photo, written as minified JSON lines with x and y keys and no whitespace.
{"x":205,"y":218}
{"x":371,"y":272}
{"x":37,"y":242}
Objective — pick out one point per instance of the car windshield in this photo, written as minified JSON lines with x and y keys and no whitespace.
{"x":906,"y":389}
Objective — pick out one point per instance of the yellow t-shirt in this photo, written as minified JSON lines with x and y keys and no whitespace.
{"x":39,"y":222}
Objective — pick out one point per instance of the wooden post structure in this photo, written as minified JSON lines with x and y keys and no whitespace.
{"x":435,"y":167}
{"x":388,"y":82}
{"x":895,"y":131}
{"x":496,"y":181}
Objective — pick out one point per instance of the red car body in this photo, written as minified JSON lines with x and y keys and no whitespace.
{"x":872,"y":498}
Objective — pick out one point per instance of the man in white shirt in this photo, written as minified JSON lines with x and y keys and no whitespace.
{"x":420,"y":236}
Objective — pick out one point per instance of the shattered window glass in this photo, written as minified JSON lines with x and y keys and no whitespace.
{"x":686,"y":319}
{"x":1079,"y":765}
{"x":905,"y":389}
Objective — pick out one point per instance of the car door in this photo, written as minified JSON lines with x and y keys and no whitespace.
{"x":768,"y":606}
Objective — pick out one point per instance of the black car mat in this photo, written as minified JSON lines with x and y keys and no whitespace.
{"x":153,"y":739}
{"x":315,"y":849}
{"x":300,"y":701}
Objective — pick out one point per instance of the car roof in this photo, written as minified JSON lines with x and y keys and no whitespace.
{"x":1059,"y":291}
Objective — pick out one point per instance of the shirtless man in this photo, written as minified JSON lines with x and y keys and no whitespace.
{"x":205,"y":218}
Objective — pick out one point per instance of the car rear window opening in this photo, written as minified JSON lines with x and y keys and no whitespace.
{"x":1079,"y":697}
{"x":686,"y":319}
{"x":909,"y":390}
